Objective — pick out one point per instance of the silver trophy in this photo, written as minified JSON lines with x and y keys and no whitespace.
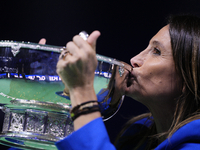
{"x":34,"y":99}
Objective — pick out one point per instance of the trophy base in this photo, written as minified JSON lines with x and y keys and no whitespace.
{"x":24,"y":140}
{"x":32,"y":128}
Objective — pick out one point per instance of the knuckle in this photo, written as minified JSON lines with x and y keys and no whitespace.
{"x":91,"y":53}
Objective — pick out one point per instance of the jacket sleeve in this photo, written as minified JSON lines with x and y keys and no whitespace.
{"x":92,"y":136}
{"x":188,"y":146}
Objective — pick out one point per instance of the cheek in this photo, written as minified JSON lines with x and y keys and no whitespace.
{"x":167,"y":84}
{"x":159,"y":80}
{"x":147,"y":76}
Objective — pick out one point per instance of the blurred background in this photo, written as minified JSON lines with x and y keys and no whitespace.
{"x":126,"y":27}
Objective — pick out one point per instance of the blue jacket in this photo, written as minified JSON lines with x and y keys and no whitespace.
{"x":93,"y":136}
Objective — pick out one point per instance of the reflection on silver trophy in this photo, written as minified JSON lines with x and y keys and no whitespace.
{"x":35,"y":101}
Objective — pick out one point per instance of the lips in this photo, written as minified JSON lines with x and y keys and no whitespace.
{"x":130,"y":78}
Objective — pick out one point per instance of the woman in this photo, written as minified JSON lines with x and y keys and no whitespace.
{"x":165,"y":78}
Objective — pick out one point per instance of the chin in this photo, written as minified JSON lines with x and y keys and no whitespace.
{"x":131,"y":92}
{"x":128,"y":91}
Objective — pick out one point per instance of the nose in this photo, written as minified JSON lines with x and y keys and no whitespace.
{"x":138,"y":60}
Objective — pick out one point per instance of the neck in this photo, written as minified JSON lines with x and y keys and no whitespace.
{"x":163,"y":116}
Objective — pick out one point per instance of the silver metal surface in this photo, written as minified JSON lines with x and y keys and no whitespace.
{"x":43,"y":128}
{"x":36,"y":124}
{"x":17,"y":45}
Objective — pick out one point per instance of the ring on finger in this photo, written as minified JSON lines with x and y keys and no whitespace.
{"x":65,"y":53}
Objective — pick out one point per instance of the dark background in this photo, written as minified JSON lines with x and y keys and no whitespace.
{"x":126,"y":28}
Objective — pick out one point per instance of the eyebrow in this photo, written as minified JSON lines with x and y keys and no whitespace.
{"x":159,"y":44}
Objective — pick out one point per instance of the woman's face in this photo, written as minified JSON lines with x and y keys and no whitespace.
{"x":154,"y":76}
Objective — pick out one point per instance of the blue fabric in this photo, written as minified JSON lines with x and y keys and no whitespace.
{"x":60,"y":93}
{"x":101,"y":96}
{"x":186,"y":138}
{"x":93,"y":136}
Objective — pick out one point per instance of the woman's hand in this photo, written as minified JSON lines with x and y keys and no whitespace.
{"x":77,"y":64}
{"x":76,"y":67}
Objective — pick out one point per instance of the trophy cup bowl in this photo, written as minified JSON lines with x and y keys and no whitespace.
{"x":32,"y":98}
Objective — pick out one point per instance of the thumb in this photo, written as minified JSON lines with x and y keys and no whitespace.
{"x":42,"y":41}
{"x":92,"y":39}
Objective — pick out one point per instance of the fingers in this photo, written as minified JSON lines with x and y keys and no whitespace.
{"x":63,"y":54}
{"x":79,"y":41}
{"x":61,"y":65}
{"x":42,"y":41}
{"x":92,"y":39}
{"x":82,"y":44}
{"x":73,"y":48}
{"x":79,"y":47}
{"x":78,"y":61}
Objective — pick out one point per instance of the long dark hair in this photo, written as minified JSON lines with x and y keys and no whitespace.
{"x":184,"y":32}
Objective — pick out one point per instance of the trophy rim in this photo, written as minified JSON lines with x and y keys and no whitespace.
{"x":50,"y":106}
